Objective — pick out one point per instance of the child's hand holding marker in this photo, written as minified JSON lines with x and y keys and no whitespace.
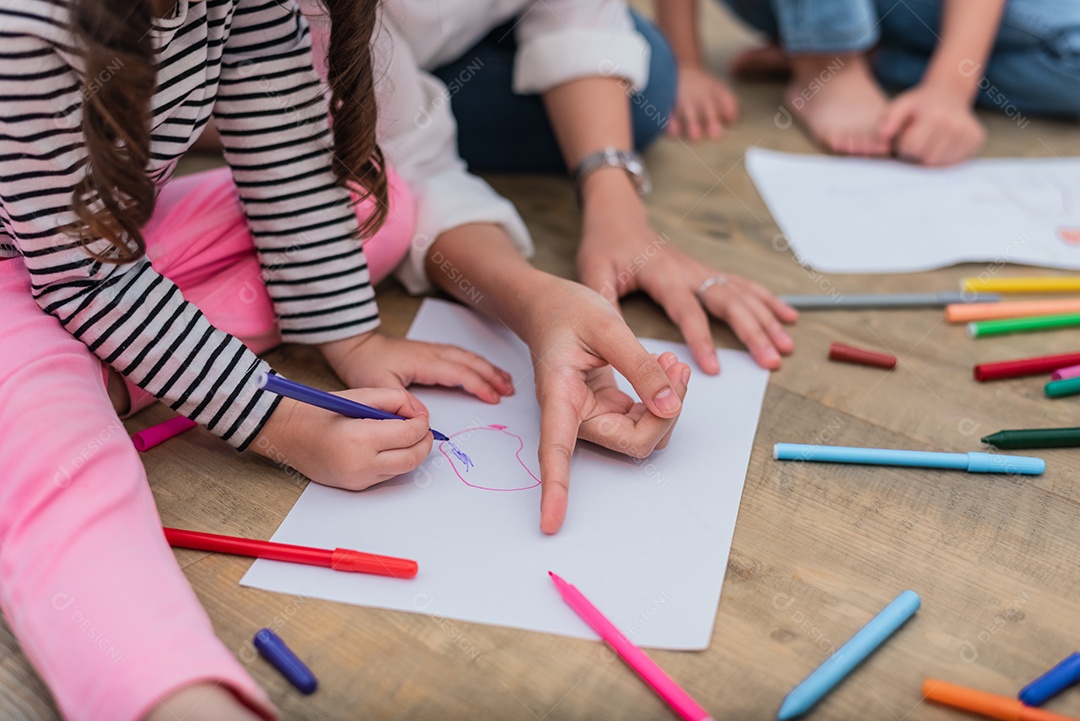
{"x":349,"y":453}
{"x":372,"y":360}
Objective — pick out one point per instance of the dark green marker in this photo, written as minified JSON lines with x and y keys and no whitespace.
{"x":1035,"y":438}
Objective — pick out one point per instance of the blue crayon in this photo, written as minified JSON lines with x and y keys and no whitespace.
{"x":803,"y":697}
{"x":273,"y":649}
{"x":1052,"y":682}
{"x":970,"y":462}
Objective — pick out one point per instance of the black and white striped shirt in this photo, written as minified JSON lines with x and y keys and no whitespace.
{"x":247,"y":63}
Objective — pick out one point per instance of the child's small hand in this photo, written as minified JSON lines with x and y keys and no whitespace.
{"x":375,"y":361}
{"x":704,"y":106}
{"x":349,"y":453}
{"x":932,"y":126}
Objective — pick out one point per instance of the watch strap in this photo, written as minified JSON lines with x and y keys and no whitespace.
{"x":611,"y":157}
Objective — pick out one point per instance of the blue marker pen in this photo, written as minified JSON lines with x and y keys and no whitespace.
{"x":343,"y":406}
{"x":273,"y":649}
{"x":970,"y":462}
{"x":803,"y":697}
{"x":1052,"y":682}
{"x":329,"y":401}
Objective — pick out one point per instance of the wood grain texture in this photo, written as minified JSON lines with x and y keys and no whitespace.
{"x":818,"y":549}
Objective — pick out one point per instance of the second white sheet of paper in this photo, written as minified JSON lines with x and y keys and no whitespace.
{"x":647,"y":541}
{"x":859,"y":215}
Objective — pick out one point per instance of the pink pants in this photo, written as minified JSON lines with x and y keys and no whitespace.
{"x":87,"y":582}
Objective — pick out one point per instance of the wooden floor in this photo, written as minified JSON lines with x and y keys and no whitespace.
{"x":818,"y":548}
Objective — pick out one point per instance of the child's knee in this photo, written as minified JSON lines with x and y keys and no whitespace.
{"x":61,"y":429}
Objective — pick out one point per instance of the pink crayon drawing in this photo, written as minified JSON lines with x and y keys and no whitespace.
{"x":462,"y":468}
{"x":1069,"y":236}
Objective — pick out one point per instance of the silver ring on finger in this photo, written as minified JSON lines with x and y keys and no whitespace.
{"x":709,"y":283}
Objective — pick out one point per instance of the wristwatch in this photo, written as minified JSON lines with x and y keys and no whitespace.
{"x":611,"y":157}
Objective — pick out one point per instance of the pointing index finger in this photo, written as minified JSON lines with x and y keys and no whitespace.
{"x":559,"y":423}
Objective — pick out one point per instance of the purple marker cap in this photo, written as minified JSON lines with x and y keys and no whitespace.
{"x":273,"y":649}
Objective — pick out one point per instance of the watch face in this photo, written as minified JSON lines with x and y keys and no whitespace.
{"x":634,"y":166}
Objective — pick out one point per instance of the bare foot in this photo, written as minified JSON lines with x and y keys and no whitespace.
{"x":762,"y":64}
{"x":839,"y":102}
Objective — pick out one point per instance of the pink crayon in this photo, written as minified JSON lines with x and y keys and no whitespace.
{"x":1063,"y":373}
{"x":147,"y":438}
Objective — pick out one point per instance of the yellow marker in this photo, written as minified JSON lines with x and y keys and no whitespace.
{"x":1048,"y":284}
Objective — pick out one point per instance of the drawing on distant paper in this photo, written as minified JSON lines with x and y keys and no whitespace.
{"x":492,"y":473}
{"x":1069,"y":236}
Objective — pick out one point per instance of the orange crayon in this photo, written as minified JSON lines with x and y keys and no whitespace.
{"x":965,"y":312}
{"x":986,"y":704}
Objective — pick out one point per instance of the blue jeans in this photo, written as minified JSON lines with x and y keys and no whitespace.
{"x":501,"y":131}
{"x":1034,"y":66}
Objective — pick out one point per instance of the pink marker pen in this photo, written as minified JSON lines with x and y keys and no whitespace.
{"x":1062,"y":373}
{"x":668,"y":690}
{"x":147,"y":438}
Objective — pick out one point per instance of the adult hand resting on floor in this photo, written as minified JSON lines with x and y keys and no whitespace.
{"x":576,"y":338}
{"x":620,"y":253}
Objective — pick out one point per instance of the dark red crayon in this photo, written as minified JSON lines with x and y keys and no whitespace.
{"x":848,"y":354}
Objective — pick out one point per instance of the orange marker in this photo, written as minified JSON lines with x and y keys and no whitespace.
{"x":986,"y":704}
{"x":965,"y":312}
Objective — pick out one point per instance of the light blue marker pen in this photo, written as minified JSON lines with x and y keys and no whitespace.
{"x":803,"y":697}
{"x":970,"y":462}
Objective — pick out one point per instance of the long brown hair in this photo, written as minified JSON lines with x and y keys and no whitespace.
{"x":358,"y":159}
{"x":116,"y":196}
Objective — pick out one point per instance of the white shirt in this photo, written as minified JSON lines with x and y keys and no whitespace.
{"x":558,"y":41}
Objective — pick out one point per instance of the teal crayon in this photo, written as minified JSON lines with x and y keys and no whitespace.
{"x":1059,"y":389}
{"x":867,"y":640}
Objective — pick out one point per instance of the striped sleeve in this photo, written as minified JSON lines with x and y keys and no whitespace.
{"x":271,"y":114}
{"x":128,"y":315}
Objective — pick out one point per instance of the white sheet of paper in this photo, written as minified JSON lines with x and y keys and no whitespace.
{"x":646,"y":541}
{"x":859,"y":215}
